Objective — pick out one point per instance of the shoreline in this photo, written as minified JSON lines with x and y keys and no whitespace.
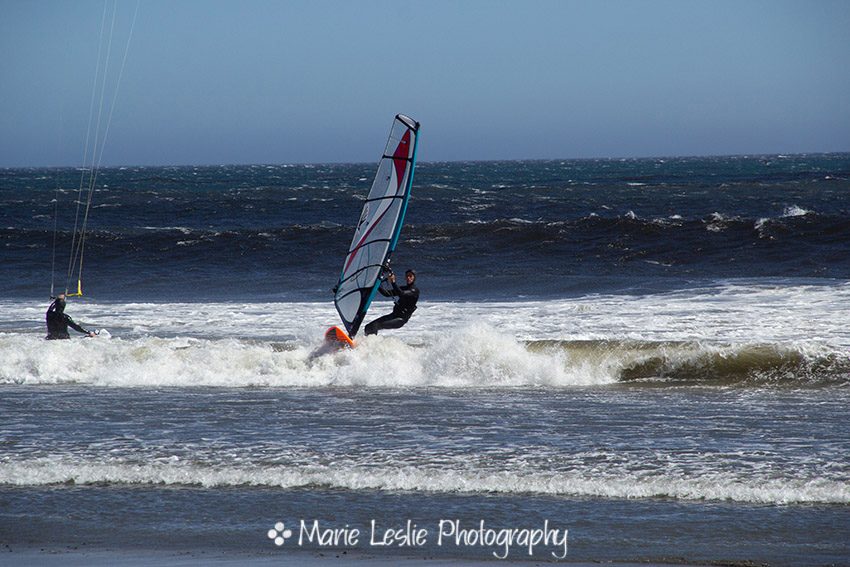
{"x":73,"y":556}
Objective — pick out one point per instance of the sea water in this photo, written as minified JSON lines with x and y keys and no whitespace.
{"x":650,"y":354}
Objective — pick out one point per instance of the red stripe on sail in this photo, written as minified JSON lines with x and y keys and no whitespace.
{"x":358,"y":249}
{"x":400,"y":158}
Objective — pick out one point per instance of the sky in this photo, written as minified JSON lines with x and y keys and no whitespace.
{"x":250,"y":81}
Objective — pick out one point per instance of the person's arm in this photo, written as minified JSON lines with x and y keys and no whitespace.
{"x":395,"y":291}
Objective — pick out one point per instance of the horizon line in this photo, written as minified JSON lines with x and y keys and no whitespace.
{"x":495,"y":160}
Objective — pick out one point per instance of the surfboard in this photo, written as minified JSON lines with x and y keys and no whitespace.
{"x":377,"y":231}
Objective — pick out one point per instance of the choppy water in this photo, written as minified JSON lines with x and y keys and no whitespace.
{"x":651,"y":353}
{"x":488,"y":230}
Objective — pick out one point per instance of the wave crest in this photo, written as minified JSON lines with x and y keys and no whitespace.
{"x":473,"y":357}
{"x":709,"y":486}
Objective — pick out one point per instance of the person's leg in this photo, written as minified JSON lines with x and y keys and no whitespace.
{"x":393,"y":323}
{"x":376,"y":325}
{"x":386,"y":322}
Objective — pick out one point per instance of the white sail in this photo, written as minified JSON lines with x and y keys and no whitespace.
{"x":379,"y":226}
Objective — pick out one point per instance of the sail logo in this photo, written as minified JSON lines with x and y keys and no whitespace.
{"x":363,"y":216}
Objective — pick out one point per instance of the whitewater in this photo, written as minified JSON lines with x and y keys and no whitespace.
{"x":529,"y":374}
{"x":742,"y":330}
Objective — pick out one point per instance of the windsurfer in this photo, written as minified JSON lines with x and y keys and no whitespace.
{"x":407,"y":295}
{"x":58,"y":321}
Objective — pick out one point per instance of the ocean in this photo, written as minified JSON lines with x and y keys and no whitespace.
{"x":649,"y":355}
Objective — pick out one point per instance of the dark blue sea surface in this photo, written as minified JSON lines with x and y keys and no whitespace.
{"x":475,"y":230}
{"x":650,"y":353}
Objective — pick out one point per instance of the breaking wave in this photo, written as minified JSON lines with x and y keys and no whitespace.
{"x":711,"y":485}
{"x":473,"y":357}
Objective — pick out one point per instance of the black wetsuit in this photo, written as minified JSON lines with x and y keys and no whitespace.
{"x":407,"y":295}
{"x":58,"y":322}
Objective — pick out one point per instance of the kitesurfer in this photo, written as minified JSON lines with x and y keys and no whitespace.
{"x":407,"y":295}
{"x":58,"y":321}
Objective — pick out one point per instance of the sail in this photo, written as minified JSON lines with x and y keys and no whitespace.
{"x":379,"y":226}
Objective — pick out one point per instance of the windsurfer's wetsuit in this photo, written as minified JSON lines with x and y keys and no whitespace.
{"x":407,"y":295}
{"x":58,"y":322}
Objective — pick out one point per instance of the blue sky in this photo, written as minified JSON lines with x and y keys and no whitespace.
{"x":251,"y":81}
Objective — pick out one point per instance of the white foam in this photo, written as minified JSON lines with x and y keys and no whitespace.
{"x":788,"y":212}
{"x":446,"y":478}
{"x":182,"y":229}
{"x":446,"y":343}
{"x":473,"y":357}
{"x":795,"y":211}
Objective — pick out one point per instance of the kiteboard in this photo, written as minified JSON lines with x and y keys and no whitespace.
{"x":377,"y":231}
